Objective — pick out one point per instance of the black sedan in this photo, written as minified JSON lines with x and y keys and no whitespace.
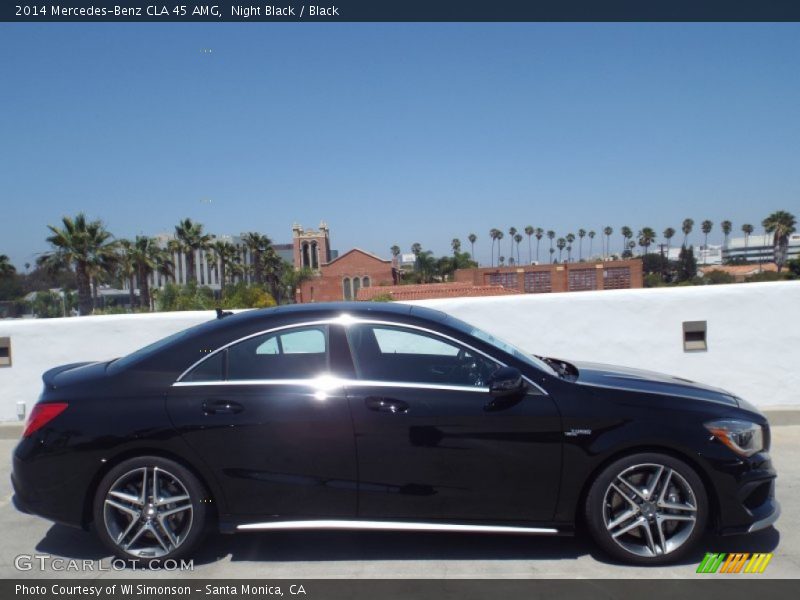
{"x":385,"y":416}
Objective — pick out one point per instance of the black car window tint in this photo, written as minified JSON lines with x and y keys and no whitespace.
{"x":388,"y":353}
{"x":211,"y":369}
{"x":300,"y":353}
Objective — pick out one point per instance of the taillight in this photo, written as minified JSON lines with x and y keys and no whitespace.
{"x":41,"y":415}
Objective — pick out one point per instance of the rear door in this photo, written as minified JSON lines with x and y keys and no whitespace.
{"x":278,"y":440}
{"x":430,"y":446}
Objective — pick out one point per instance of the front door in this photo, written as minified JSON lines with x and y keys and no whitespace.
{"x":430,"y":447}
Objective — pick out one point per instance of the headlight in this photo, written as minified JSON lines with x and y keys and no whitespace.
{"x":742,"y":437}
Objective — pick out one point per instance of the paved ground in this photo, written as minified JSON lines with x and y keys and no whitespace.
{"x":300,"y":555}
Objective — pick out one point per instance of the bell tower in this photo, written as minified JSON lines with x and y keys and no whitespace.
{"x":311,"y":248}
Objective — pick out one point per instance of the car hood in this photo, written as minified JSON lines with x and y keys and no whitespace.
{"x":638,"y":380}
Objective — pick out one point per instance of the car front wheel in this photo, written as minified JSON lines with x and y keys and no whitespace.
{"x":149,"y":508}
{"x":647,"y":508}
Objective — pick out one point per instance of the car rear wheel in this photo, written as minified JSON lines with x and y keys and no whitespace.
{"x":150,"y":508}
{"x":647,"y":508}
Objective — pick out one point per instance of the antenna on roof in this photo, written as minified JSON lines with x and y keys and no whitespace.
{"x":221,"y":314}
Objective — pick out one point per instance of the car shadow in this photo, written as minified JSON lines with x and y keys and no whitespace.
{"x":303,"y":546}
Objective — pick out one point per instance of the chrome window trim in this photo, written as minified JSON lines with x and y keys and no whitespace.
{"x":393,"y":526}
{"x":345,"y":320}
{"x":333,"y":383}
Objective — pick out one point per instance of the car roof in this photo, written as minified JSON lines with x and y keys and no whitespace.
{"x":324,"y":309}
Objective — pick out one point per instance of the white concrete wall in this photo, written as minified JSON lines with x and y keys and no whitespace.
{"x":753,"y":335}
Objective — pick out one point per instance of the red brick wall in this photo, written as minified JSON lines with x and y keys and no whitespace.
{"x":327,"y":286}
{"x":559,"y":274}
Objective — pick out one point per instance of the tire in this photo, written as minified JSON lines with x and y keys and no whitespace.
{"x":644,"y":526}
{"x":139,"y":527}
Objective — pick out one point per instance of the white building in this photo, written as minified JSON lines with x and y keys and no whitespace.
{"x":758,"y":248}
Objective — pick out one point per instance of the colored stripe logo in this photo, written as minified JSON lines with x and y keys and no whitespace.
{"x":737,"y":562}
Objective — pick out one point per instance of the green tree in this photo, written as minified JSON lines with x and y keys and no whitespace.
{"x":455,"y":244}
{"x":560,"y":244}
{"x":591,"y":235}
{"x":395,"y":250}
{"x":669,"y":233}
{"x":538,"y":234}
{"x":6,"y":268}
{"x":416,"y":248}
{"x":529,"y":231}
{"x":79,"y":245}
{"x":512,"y":232}
{"x":727,"y":227}
{"x":190,"y":238}
{"x":607,"y":231}
{"x":570,"y":240}
{"x":706,"y":227}
{"x":517,"y":239}
{"x":747,"y":230}
{"x":581,"y":235}
{"x":472,"y":239}
{"x":646,"y":237}
{"x":225,"y":254}
{"x":258,"y":244}
{"x":627,"y":233}
{"x":781,"y":225}
{"x":551,"y":236}
{"x":686,"y":227}
{"x":687,"y":265}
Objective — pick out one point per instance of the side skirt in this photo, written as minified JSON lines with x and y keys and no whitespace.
{"x":356,"y":525}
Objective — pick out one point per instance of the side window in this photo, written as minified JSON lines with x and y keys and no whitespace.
{"x":389,"y":353}
{"x":211,"y":369}
{"x":289,"y":354}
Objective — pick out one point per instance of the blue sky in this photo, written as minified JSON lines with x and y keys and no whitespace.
{"x":395,"y":133}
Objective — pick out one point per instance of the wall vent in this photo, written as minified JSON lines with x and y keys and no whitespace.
{"x":5,"y":352}
{"x":694,"y":336}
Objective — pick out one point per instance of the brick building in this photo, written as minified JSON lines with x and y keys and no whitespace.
{"x":342,"y":277}
{"x":559,"y":277}
{"x":426,"y":291}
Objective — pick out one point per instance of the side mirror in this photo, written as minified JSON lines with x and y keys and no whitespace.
{"x":505,"y":382}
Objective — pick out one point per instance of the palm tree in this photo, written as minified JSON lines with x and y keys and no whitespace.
{"x":273,"y":267}
{"x":517,"y":239}
{"x":191,"y":239}
{"x":747,"y":230}
{"x":493,"y":236}
{"x":727,"y":227}
{"x":646,"y":237}
{"x":607,"y":231}
{"x":395,"y":250}
{"x":6,"y":268}
{"x":512,"y":231}
{"x":500,"y":236}
{"x":145,"y":256}
{"x":258,"y":244}
{"x":455,"y":244}
{"x":538,"y":233}
{"x":706,"y":227}
{"x":627,"y":233}
{"x":224,"y":254}
{"x":126,"y":268}
{"x":416,"y":248}
{"x":686,"y":227}
{"x":581,"y":235}
{"x":501,"y":261}
{"x":551,"y":236}
{"x":669,"y":232}
{"x":781,"y":224}
{"x":570,"y":239}
{"x":472,"y":239}
{"x":560,"y":244}
{"x":529,"y":232}
{"x":79,"y":245}
{"x":591,"y":241}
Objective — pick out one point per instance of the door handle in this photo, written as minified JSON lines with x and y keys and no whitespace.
{"x":222,"y":407}
{"x":390,"y":405}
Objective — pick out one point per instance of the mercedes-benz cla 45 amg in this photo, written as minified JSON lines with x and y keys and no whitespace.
{"x":385,"y":416}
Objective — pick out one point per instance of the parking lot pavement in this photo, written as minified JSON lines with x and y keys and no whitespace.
{"x":298,"y":555}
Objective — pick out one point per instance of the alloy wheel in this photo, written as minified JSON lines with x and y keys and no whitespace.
{"x":649,"y":510}
{"x":148,"y":512}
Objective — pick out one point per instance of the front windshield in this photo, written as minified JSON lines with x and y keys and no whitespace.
{"x":504,"y":346}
